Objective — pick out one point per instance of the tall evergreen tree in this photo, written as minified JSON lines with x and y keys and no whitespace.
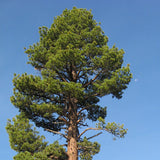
{"x":76,"y":68}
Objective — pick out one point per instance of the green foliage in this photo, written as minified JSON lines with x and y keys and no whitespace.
{"x":75,"y":43}
{"x":76,"y":69}
{"x":25,"y":140}
{"x":51,"y":152}
{"x":116,"y":129}
{"x":23,"y":137}
{"x":87,"y":149}
{"x":24,"y":155}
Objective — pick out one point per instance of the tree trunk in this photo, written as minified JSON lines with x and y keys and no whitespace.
{"x":72,"y":149}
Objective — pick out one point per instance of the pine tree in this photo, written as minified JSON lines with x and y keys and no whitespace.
{"x":76,"y":69}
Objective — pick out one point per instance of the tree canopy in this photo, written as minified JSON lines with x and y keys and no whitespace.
{"x":76,"y":68}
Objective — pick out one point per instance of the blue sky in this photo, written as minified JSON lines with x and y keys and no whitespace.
{"x":131,"y":25}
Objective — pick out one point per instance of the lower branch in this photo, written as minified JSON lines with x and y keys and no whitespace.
{"x":94,"y":135}
{"x":55,"y":132}
{"x":63,"y":119}
{"x":88,"y":130}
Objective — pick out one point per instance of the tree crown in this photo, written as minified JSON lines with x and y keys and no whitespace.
{"x":77,"y":68}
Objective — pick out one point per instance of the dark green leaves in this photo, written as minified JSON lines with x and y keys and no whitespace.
{"x":88,"y":149}
{"x":23,"y":137}
{"x":51,"y":152}
{"x":25,"y":140}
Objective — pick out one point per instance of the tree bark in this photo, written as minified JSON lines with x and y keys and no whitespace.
{"x":72,"y":149}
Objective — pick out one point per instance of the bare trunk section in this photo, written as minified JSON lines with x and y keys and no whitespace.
{"x":72,"y":149}
{"x":72,"y":141}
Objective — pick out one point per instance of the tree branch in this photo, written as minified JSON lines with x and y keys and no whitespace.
{"x":61,"y":76}
{"x":82,"y":124}
{"x":94,"y":135}
{"x":78,"y":73}
{"x":92,"y":80}
{"x":63,"y":119}
{"x":55,"y":132}
{"x":93,"y":95}
{"x":82,"y":110}
{"x":64,"y":145}
{"x":79,"y":120}
{"x":57,"y":122}
{"x":88,"y":130}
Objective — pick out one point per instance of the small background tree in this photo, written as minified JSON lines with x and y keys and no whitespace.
{"x":76,"y":69}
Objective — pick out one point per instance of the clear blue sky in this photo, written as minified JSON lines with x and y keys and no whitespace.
{"x":132,"y":25}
